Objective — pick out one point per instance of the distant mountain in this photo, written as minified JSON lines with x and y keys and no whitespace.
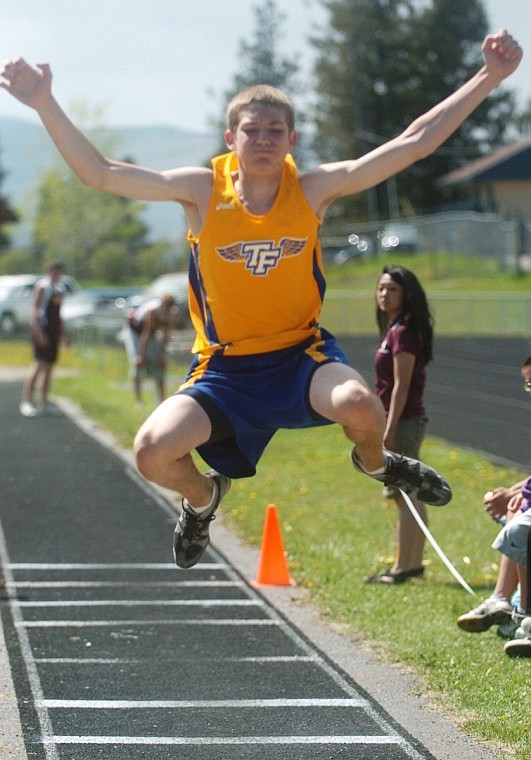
{"x":26,"y":149}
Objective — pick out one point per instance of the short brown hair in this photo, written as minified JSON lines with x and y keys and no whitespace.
{"x":259,"y":93}
{"x":167,"y":299}
{"x":56,"y":264}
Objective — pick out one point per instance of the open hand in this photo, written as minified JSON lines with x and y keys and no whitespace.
{"x":25,"y":83}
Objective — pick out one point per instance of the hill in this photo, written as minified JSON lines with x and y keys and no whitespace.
{"x":26,"y":149}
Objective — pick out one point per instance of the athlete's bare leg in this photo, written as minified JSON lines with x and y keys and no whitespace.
{"x":340,"y":394}
{"x":163,"y":444}
{"x":46,"y":378}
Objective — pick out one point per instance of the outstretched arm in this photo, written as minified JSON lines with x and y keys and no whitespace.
{"x":33,"y":87}
{"x":501,"y":54}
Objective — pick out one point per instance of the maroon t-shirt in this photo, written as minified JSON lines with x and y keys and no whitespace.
{"x":399,"y":338}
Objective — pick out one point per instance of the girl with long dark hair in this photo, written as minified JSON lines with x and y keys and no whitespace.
{"x":406,"y":332}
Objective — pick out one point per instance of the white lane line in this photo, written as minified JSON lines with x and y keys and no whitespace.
{"x":226,"y":740}
{"x":275,"y":658}
{"x":157,"y":704}
{"x":136,"y":660}
{"x":131,"y":623}
{"x":27,"y":656}
{"x":147,"y":603}
{"x":87,"y":661}
{"x":111,"y":566}
{"x":175,"y":585}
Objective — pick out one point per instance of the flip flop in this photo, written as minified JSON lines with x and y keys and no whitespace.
{"x":392,"y":579}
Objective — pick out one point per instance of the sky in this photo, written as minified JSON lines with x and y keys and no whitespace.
{"x":168,"y":62}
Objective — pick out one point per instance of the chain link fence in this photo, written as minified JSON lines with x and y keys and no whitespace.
{"x":481,"y":236}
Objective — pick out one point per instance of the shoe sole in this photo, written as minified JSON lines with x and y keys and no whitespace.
{"x":518,"y":648}
{"x":480,"y":624}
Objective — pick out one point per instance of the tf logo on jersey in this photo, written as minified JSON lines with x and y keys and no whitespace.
{"x":259,"y":256}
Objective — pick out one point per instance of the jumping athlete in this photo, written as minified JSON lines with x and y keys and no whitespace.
{"x":261,"y":359}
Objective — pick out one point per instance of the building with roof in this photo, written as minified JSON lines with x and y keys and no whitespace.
{"x":499,"y":182}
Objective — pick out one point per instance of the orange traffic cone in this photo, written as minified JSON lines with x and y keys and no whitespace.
{"x":272,"y":567}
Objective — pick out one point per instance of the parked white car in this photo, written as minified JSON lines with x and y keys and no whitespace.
{"x":15,"y":300}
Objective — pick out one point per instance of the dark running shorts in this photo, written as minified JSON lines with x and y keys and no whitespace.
{"x":48,"y":353}
{"x":249,"y":398}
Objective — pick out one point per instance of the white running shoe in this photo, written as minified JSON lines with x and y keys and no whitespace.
{"x":27,"y":409}
{"x":489,"y":612}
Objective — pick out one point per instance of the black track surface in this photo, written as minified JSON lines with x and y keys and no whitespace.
{"x":117,"y":654}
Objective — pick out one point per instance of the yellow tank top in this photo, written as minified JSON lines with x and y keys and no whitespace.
{"x":256,"y":282}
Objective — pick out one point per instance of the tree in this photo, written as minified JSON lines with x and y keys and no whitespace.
{"x":523,"y":121}
{"x":380,"y":64}
{"x":73,"y":221}
{"x":260,"y":61}
{"x":449,"y":51}
{"x":17,"y":261}
{"x":6,"y":214}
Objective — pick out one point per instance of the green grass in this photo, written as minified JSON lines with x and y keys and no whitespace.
{"x":466,"y":295}
{"x":436,"y":271}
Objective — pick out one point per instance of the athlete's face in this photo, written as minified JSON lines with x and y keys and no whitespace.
{"x":389,"y":296}
{"x":262,"y":137}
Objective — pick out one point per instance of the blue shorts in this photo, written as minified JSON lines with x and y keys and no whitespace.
{"x":249,"y":398}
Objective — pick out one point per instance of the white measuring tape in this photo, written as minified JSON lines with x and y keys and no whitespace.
{"x":424,"y":528}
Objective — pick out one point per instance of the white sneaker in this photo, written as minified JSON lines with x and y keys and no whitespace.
{"x":520,"y":646}
{"x":488,"y":613}
{"x":27,"y":409}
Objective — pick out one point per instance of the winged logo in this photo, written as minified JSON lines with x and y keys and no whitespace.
{"x":232,"y":252}
{"x":292,"y":246}
{"x":259,"y":256}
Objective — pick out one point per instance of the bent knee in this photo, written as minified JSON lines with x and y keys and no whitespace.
{"x":148,"y":453}
{"x":360,"y":406}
